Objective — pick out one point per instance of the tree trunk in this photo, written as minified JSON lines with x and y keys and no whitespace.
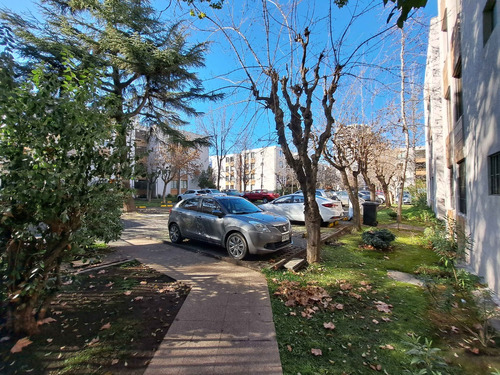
{"x":385,"y":188}
{"x":313,"y":230}
{"x":353,"y":196}
{"x":164,"y":192}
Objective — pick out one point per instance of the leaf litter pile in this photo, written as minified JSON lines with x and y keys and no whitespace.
{"x":306,"y":301}
{"x":107,"y":321}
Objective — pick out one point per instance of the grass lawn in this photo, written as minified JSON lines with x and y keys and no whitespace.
{"x":346,"y":316}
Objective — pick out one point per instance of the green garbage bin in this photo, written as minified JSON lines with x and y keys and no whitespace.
{"x":370,"y":213}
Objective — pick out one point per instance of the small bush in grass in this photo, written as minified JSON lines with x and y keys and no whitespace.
{"x":378,"y":239}
{"x":392,"y":214}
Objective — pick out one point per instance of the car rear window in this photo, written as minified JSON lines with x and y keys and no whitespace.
{"x":190,"y":204}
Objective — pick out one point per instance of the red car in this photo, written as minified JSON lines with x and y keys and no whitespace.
{"x":261,"y":195}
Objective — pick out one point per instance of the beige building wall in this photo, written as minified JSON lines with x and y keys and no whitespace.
{"x":463,"y":129}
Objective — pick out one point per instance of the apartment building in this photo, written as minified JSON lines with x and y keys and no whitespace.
{"x":153,"y":154}
{"x":462,"y":108}
{"x":260,"y":168}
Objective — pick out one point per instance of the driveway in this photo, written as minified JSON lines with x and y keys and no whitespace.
{"x":152,"y":223}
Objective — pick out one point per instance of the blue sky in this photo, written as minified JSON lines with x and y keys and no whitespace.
{"x":221,"y":60}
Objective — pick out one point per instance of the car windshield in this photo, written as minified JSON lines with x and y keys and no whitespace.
{"x":239,"y":206}
{"x":214,"y":191}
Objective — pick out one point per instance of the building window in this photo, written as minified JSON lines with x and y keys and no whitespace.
{"x":459,"y":106}
{"x":489,"y":19}
{"x":462,"y":191}
{"x":184,"y":184}
{"x":494,"y":173}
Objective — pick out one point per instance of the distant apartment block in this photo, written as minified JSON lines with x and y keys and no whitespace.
{"x":260,"y":168}
{"x":150,"y":149}
{"x":462,"y":104}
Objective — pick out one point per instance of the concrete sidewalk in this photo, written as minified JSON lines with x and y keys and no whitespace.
{"x":225,"y":325}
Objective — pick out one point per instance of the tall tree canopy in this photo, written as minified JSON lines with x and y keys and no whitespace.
{"x":148,"y":62}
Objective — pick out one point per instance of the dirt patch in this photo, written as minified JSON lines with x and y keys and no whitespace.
{"x":107,"y":321}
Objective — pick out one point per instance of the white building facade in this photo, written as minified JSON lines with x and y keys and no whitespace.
{"x":260,"y":168}
{"x":462,"y":102}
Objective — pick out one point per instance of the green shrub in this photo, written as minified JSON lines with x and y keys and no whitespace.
{"x":392,"y":214}
{"x":379,"y":239}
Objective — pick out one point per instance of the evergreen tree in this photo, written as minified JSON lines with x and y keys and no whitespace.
{"x":148,"y":63}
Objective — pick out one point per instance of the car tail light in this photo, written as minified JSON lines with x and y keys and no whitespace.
{"x":170,"y":211}
{"x":329,"y":205}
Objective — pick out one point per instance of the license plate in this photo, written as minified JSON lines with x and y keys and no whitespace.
{"x":285,"y":237}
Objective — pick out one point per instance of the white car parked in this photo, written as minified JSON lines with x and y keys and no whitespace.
{"x":191,"y":193}
{"x":292,"y":206}
{"x":214,"y":193}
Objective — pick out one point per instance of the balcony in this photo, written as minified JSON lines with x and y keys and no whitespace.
{"x":449,"y":150}
{"x":458,"y":137}
{"x":446,"y":82}
{"x":456,"y":50}
{"x":443,"y":15}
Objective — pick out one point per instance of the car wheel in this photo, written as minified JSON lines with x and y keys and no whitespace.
{"x":236,"y":246}
{"x":265,"y":200}
{"x":175,"y":233}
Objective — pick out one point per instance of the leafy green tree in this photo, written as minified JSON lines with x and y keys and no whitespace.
{"x":58,"y":160}
{"x":206,"y":179}
{"x":148,"y":62}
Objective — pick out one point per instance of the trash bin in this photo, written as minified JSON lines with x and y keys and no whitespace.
{"x":370,"y":213}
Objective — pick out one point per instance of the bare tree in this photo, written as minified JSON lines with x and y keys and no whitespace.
{"x":297,"y":82}
{"x":341,"y":154}
{"x":221,"y":131}
{"x":385,"y":168}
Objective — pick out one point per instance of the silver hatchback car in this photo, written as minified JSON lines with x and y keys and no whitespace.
{"x":232,"y":222}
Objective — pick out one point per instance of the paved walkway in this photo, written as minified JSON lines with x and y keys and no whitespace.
{"x":225,"y":325}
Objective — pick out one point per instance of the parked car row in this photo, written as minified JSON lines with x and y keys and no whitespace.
{"x":292,"y":206}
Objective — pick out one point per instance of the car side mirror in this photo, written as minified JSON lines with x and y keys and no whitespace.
{"x":218,"y":213}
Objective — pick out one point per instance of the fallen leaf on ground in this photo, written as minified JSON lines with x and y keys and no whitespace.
{"x":346,"y":286}
{"x":91,"y":276}
{"x":316,"y":352}
{"x":127,"y":293}
{"x":45,"y":321}
{"x":139,"y":298}
{"x":355,"y":295}
{"x":114,"y":361}
{"x":383,"y":307}
{"x":144,"y":282}
{"x":329,"y":325}
{"x":454,"y":329}
{"x":106,"y":326}
{"x":94,"y":341}
{"x":376,"y":367}
{"x":375,"y":321}
{"x":339,"y":306}
{"x":101,"y":272}
{"x":50,"y":340}
{"x":388,"y":347}
{"x":289,"y":347}
{"x":20,"y":344}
